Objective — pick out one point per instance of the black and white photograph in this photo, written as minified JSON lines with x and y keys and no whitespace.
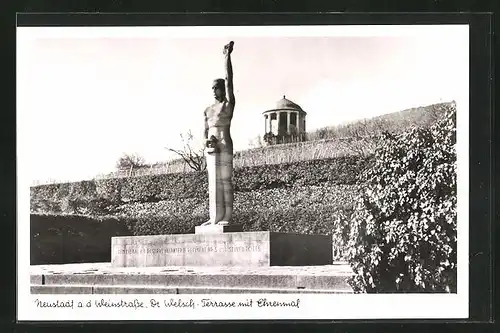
{"x":243,"y":172}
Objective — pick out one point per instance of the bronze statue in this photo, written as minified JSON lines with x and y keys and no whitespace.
{"x":219,"y":145}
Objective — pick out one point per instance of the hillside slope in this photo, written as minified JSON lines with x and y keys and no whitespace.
{"x":395,"y":122}
{"x":356,"y":138}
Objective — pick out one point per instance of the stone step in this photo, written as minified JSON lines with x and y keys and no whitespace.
{"x":225,"y":281}
{"x":327,"y":277}
{"x":104,"y":275}
{"x":138,"y":289}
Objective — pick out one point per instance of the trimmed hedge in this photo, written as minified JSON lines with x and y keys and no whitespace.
{"x":323,"y":219}
{"x":309,"y":209}
{"x":105,"y":195}
{"x":320,"y":220}
{"x":305,"y":197}
{"x":314,"y":206}
{"x":73,"y":239}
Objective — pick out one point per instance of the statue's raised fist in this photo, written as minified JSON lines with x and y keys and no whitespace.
{"x":228,"y":48}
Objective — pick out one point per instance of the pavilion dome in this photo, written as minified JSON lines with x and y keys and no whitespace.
{"x":286,"y":105}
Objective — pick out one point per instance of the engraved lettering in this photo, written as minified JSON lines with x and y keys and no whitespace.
{"x":180,"y":250}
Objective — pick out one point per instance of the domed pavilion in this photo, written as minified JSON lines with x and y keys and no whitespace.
{"x":286,"y":118}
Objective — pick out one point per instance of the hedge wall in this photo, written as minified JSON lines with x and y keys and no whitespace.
{"x":73,"y":239}
{"x":307,"y":209}
{"x":61,"y":239}
{"x":103,"y":196}
{"x":305,"y":197}
{"x":257,"y":210}
{"x":321,"y":220}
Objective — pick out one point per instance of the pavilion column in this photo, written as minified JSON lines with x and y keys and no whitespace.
{"x":278,"y":118}
{"x":288,"y":119}
{"x":265,"y":123}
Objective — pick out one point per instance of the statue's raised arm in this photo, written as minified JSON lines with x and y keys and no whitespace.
{"x":228,"y":49}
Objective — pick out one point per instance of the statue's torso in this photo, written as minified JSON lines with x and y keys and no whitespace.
{"x":218,"y":117}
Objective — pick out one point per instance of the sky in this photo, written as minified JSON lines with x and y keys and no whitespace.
{"x":85,"y":96}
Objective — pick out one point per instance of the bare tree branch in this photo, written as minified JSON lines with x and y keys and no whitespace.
{"x":195,"y":159}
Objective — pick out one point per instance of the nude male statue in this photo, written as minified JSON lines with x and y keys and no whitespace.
{"x":219,"y":145}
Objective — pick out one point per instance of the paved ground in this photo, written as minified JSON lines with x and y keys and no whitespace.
{"x":336,"y":269}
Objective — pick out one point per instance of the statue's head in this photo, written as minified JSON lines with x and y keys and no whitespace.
{"x":219,"y":89}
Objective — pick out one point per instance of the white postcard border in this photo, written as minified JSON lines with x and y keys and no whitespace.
{"x":419,"y":306}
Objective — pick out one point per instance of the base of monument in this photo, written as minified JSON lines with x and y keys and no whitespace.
{"x":262,"y":248}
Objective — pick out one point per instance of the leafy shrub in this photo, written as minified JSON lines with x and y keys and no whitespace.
{"x":404,"y":229}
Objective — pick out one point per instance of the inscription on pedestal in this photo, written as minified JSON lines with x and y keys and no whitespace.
{"x":135,"y":249}
{"x":228,"y":249}
{"x":261,"y":248}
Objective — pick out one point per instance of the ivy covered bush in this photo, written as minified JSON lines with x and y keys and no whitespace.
{"x":403,"y":231}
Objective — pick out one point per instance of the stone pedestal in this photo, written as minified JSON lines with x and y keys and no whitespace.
{"x":213,"y":248}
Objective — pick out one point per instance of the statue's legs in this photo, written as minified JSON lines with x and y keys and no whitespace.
{"x":226,"y":177}
{"x":215,"y":189}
